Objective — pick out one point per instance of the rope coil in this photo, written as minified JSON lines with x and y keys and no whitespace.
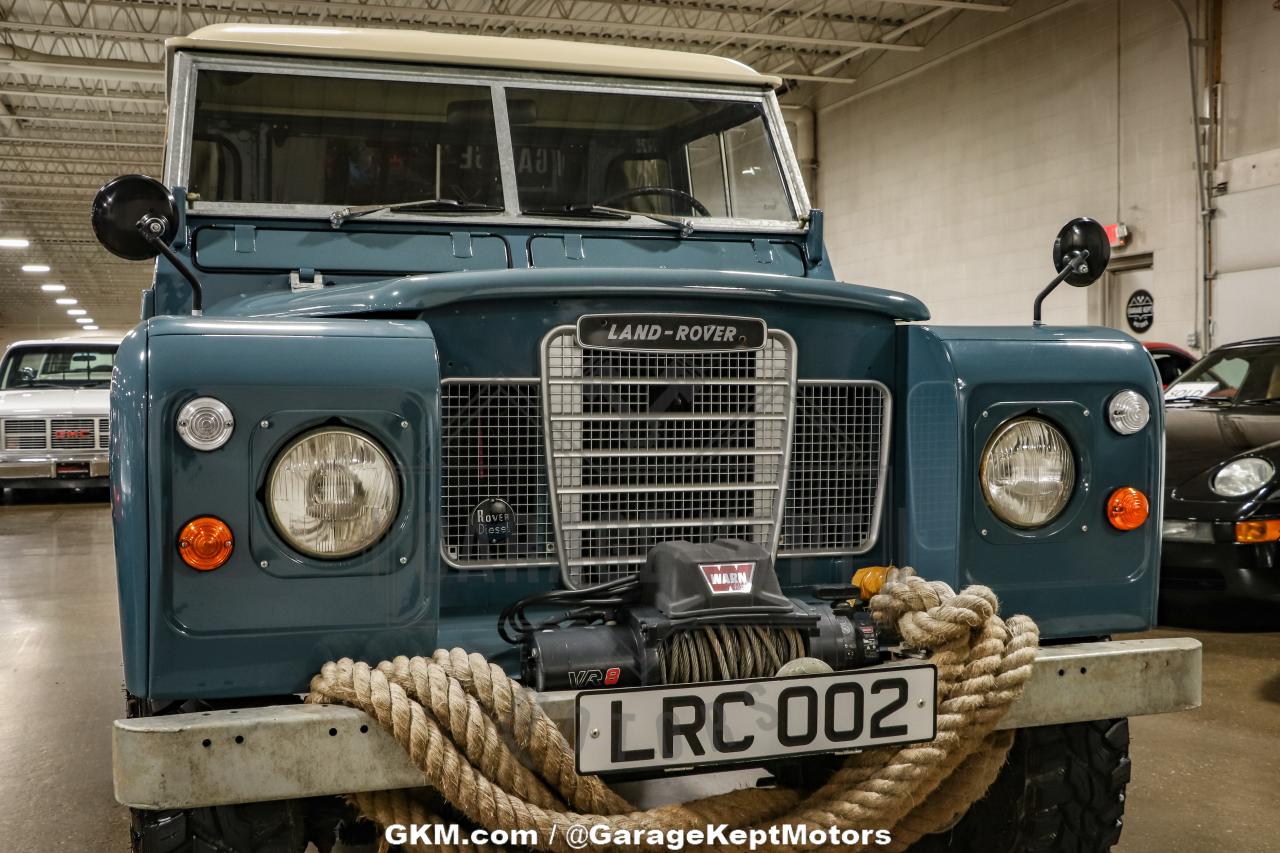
{"x":486,"y":747}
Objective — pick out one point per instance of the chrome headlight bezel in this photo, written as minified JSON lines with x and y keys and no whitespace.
{"x":1015,"y":429}
{"x":1242,"y":477}
{"x":384,"y":508}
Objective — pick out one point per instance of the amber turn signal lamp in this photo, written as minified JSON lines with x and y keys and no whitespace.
{"x":870,"y":580}
{"x":205,"y":543}
{"x":1127,"y":508}
{"x":1265,"y":530}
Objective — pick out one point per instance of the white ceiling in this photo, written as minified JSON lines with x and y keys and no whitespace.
{"x":81,"y":94}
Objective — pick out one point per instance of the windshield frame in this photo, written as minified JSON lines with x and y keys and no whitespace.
{"x":181,"y":121}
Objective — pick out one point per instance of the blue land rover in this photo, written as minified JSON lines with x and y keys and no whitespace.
{"x":449,"y":334}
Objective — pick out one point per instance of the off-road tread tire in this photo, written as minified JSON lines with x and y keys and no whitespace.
{"x":1061,"y":790}
{"x":251,"y":828}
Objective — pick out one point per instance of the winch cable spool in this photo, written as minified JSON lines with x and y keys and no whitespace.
{"x":720,"y":652}
{"x":484,"y":744}
{"x":726,"y":652}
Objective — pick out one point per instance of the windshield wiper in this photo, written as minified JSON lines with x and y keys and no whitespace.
{"x":600,"y":211}
{"x":36,"y":385}
{"x":426,"y":205}
{"x":1261,"y":401}
{"x":577,"y":211}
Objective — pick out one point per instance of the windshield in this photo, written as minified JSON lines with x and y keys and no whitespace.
{"x":293,"y":139}
{"x":346,"y":142}
{"x":58,"y":366}
{"x":1237,"y":375}
{"x":644,"y":153}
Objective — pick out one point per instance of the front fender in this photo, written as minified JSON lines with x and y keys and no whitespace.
{"x":1077,"y":576}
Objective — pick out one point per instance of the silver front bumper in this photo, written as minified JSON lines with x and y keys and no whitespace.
{"x":43,"y":464}
{"x":287,"y":751}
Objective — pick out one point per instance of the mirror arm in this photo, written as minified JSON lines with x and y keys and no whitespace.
{"x":150,"y":227}
{"x":1072,"y":265}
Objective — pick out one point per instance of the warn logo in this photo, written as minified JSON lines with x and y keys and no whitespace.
{"x":727,"y":578}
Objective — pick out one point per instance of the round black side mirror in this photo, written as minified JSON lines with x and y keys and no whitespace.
{"x":127,"y":204}
{"x":1079,"y":235}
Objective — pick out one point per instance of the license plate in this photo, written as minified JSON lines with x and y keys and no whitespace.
{"x":73,"y":469}
{"x":731,"y":722}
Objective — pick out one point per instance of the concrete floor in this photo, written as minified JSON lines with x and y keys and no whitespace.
{"x":1203,"y":781}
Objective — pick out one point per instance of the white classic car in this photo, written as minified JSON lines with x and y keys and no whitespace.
{"x":54,"y":413}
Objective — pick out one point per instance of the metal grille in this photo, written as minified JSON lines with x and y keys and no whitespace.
{"x":26,"y":434}
{"x":839,"y":450}
{"x":73,"y":433}
{"x":104,"y":433}
{"x":648,"y":447}
{"x":493,"y":448}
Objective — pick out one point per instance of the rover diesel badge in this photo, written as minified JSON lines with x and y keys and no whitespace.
{"x":493,"y":521}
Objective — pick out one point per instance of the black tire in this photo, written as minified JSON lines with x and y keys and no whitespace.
{"x":1061,"y":791}
{"x":278,"y":827}
{"x":252,"y":828}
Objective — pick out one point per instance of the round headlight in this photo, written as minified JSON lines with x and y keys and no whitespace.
{"x":1242,"y":477}
{"x":1027,"y":472}
{"x":1128,"y":412}
{"x":332,"y":493}
{"x":205,"y":423}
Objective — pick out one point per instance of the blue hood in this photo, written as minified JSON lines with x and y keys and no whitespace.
{"x":421,"y":292}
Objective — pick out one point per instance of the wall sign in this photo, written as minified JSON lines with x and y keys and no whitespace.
{"x":1140,"y":310}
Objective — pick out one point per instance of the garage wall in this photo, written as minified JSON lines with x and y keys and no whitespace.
{"x":1246,"y":292}
{"x":952,"y":184}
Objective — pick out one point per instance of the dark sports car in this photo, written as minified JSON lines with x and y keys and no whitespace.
{"x":1171,"y":360}
{"x":1222,"y":495}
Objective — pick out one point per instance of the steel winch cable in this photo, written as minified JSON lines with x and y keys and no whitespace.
{"x":726,"y":652}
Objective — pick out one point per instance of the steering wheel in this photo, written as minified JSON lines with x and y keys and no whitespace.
{"x":669,"y":192}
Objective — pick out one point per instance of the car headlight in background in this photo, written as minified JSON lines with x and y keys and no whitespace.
{"x":332,"y":493}
{"x":1027,"y":472}
{"x":1242,"y":476}
{"x":205,"y":423}
{"x":1128,"y":412}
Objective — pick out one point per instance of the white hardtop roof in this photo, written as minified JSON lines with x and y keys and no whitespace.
{"x":434,"y":48}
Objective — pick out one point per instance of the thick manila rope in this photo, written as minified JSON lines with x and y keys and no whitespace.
{"x":487,"y":748}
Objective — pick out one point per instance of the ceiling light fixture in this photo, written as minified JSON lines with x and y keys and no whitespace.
{"x":77,"y":312}
{"x":14,"y":243}
{"x":66,"y":300}
{"x":35,"y":267}
{"x":53,"y":288}
{"x":84,"y":321}
{"x":90,"y":328}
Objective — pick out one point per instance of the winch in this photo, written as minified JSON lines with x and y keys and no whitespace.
{"x":694,"y":612}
